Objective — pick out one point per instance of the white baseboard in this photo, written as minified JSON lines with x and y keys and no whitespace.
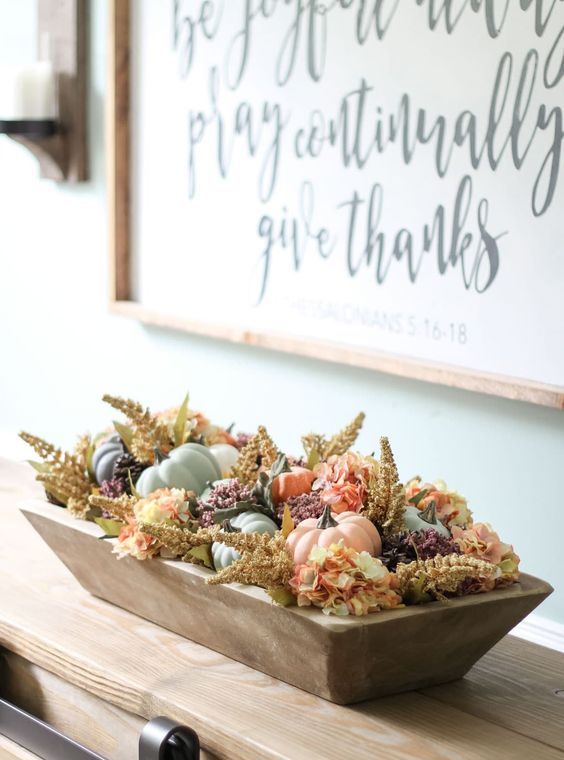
{"x":541,"y":631}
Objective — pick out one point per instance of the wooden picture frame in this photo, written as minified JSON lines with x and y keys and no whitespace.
{"x":122,"y":303}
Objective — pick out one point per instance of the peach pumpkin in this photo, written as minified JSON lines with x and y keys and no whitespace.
{"x":293,"y":483}
{"x":356,"y":531}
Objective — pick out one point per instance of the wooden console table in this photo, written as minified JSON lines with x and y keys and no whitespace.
{"x":98,"y":673}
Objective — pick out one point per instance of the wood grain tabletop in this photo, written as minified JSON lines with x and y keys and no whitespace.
{"x":506,"y":707}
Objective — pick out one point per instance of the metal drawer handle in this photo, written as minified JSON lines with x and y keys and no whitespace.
{"x":161,"y":738}
{"x":39,"y":737}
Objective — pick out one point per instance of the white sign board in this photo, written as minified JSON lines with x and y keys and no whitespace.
{"x":383,"y":174}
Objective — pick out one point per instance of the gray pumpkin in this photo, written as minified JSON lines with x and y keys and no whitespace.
{"x":246,"y":522}
{"x":105,"y":457}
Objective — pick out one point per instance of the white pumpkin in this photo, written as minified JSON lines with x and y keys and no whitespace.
{"x":424,"y":520}
{"x":226,"y":456}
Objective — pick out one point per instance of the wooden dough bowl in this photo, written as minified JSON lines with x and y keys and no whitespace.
{"x":344,"y":660}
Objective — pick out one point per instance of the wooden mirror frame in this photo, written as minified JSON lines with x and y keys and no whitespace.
{"x":121,"y":300}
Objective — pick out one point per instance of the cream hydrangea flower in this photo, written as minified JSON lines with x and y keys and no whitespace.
{"x":165,"y":504}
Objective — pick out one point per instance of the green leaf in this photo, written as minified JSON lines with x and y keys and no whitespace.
{"x":180,"y":422}
{"x":89,"y":457}
{"x":58,"y":496}
{"x":313,"y":459}
{"x":111,"y":528}
{"x":134,"y":491}
{"x":125,"y":433}
{"x":280,"y":465}
{"x":203,"y":555}
{"x":282,"y":596}
{"x":287,"y":522}
{"x":41,"y":467}
{"x":419,"y":496}
{"x":193,"y":507}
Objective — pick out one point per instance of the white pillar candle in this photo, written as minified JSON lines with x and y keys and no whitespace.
{"x":28,"y":92}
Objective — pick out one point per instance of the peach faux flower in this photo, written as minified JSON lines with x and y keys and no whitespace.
{"x":165,"y":505}
{"x":341,"y":481}
{"x":342,"y":581}
{"x":482,"y":542}
{"x":451,"y":507}
{"x":133,"y":543}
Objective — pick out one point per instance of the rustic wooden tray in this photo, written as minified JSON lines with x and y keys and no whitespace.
{"x":344,"y":660}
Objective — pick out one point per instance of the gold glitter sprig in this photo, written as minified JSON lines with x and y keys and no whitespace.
{"x":148,"y":432}
{"x":44,"y":450}
{"x":120,"y":508}
{"x":395,"y":516}
{"x":177,"y":540}
{"x":317,"y":445}
{"x":441,"y":575}
{"x":385,"y":501}
{"x":314,"y":445}
{"x":261,"y":445}
{"x":342,"y":441}
{"x":66,"y":475}
{"x":265,"y":561}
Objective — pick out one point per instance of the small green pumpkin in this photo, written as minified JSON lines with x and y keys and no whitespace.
{"x":423,"y":520}
{"x":105,"y":457}
{"x":189,"y":466}
{"x":246,"y":522}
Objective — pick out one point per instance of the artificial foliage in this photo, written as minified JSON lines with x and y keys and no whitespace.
{"x":317,"y":447}
{"x":335,"y":529}
{"x":258,"y":452}
{"x":145,"y":431}
{"x":425,"y":579}
{"x":64,"y":475}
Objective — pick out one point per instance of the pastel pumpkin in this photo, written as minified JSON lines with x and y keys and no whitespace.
{"x":424,"y":520}
{"x":246,"y":522}
{"x":105,"y":457}
{"x":226,"y":456}
{"x":356,"y":531}
{"x":189,"y":466}
{"x":293,"y":483}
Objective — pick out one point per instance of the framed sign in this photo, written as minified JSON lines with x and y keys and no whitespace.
{"x":371,"y":182}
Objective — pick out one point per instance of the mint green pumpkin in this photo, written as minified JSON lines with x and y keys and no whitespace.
{"x":190,"y":466}
{"x":423,"y":520}
{"x":246,"y":522}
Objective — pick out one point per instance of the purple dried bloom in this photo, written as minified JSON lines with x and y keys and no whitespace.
{"x":223,"y":496}
{"x":112,"y":489}
{"x":206,"y":517}
{"x":303,"y":507}
{"x":431,"y":543}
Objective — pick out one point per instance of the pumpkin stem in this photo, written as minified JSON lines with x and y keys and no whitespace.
{"x":228,"y":527}
{"x":326,"y":520}
{"x":160,"y":456}
{"x":429,"y":514}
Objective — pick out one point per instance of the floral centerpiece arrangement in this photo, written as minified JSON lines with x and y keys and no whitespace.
{"x":330,"y":528}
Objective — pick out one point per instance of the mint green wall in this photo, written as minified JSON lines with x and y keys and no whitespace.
{"x":60,"y":350}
